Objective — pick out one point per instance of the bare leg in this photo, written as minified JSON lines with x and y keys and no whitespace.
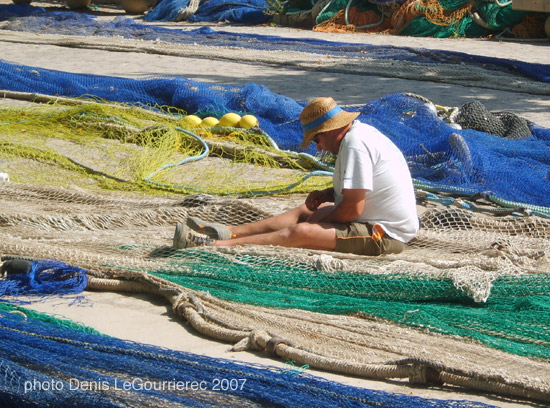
{"x":301,"y":235}
{"x":271,"y":224}
{"x":281,"y":221}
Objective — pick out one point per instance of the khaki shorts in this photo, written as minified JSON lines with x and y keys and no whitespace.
{"x":358,"y":238}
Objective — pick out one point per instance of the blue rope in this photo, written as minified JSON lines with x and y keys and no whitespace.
{"x":206,"y":151}
{"x":181,"y":162}
{"x":290,"y":187}
{"x":45,"y":277}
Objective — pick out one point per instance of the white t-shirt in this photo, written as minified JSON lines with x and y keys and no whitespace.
{"x":369,"y":160}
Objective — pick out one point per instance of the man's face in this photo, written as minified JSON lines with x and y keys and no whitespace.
{"x":326,"y":141}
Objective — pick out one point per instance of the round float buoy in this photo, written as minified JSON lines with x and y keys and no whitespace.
{"x":192,"y":120}
{"x":248,"y":122}
{"x":230,"y":119}
{"x":210,"y":121}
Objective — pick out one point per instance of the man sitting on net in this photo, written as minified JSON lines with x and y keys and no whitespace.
{"x":370,"y":210}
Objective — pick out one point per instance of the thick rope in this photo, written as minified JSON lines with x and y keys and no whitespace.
{"x":416,"y":371}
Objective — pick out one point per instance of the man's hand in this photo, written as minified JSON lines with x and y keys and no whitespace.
{"x":349,"y":209}
{"x":318,"y":197}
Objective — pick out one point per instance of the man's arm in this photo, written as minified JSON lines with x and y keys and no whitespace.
{"x":318,"y":197}
{"x":349,"y":209}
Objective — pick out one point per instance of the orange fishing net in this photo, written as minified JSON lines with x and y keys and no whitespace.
{"x":438,"y":15}
{"x":431,"y":9}
{"x":357,"y":19}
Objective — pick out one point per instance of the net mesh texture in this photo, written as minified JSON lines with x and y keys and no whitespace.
{"x":466,"y":304}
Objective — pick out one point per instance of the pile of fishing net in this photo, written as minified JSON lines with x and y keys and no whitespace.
{"x":434,"y":18}
{"x":102,"y":168}
{"x":465,"y":305}
{"x":431,"y":18}
{"x":250,"y":12}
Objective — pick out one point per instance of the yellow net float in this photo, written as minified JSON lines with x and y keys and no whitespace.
{"x":248,"y":122}
{"x":192,"y":121}
{"x":230,"y":119}
{"x":210,"y":121}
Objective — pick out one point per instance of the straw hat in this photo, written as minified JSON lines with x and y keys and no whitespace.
{"x":321,"y":115}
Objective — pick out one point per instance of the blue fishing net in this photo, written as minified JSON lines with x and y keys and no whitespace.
{"x":8,"y":11}
{"x":168,"y":10}
{"x":42,"y":278}
{"x":468,"y":159}
{"x":474,"y":161}
{"x":250,"y":12}
{"x":71,"y":23}
{"x":52,"y":365}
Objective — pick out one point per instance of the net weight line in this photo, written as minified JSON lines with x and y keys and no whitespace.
{"x":419,"y":371}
